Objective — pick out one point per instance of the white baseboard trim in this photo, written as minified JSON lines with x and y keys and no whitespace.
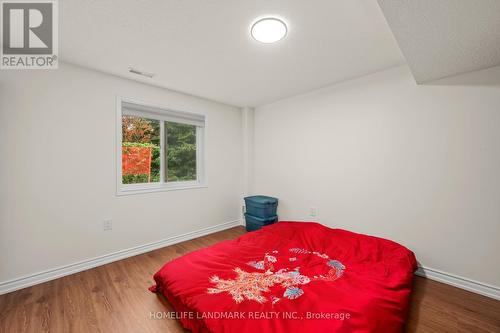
{"x":51,"y":274}
{"x":460,"y":282}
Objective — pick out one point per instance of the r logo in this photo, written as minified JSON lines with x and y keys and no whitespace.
{"x":29,"y":31}
{"x":27,"y":28}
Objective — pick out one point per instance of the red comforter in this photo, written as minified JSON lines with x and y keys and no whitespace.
{"x":292,"y":277}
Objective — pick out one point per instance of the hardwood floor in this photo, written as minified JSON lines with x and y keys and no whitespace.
{"x":438,"y":307}
{"x":114,"y":298}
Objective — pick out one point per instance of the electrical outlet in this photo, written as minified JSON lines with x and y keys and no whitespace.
{"x":313,"y":211}
{"x":107,"y":225}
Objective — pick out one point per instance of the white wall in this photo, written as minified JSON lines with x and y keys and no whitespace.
{"x":248,"y":150}
{"x":383,"y":156}
{"x":57,"y":179}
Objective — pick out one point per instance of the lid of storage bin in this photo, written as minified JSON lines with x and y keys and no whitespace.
{"x":262,"y":200}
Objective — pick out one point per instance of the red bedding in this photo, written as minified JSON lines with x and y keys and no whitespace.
{"x":292,"y":277}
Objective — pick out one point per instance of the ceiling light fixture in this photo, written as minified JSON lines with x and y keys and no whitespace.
{"x":268,"y":30}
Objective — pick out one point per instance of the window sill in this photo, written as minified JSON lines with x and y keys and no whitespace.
{"x":149,"y":188}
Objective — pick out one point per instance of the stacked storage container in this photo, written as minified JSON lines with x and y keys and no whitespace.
{"x":260,"y":211}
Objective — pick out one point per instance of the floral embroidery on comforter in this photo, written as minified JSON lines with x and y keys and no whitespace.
{"x":255,"y":286}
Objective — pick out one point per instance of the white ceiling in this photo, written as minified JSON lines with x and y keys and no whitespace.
{"x":203,"y":47}
{"x":441,"y":38}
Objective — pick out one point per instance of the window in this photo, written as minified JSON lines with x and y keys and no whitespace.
{"x":158,"y":149}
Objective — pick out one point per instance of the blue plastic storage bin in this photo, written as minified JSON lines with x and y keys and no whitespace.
{"x":261,"y":206}
{"x":255,"y":223}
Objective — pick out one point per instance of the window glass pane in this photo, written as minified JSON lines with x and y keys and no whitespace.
{"x":140,"y":150}
{"x":181,"y":152}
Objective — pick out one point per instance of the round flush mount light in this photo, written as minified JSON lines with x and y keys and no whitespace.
{"x":268,"y":30}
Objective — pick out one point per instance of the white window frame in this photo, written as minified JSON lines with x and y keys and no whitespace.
{"x":163,"y":114}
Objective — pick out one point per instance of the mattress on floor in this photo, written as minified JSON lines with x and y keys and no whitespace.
{"x":292,"y":277}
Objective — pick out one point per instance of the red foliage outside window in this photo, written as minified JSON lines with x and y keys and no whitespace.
{"x":136,"y":161}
